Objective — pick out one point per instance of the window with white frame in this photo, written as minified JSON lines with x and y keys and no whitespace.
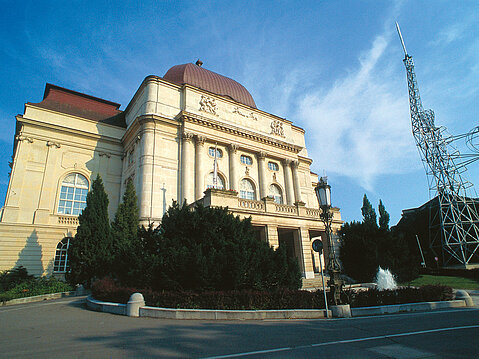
{"x":247,"y":189}
{"x":247,"y":160}
{"x":273,"y":166}
{"x":220,"y":184}
{"x":60,"y":263}
{"x":275,"y":193}
{"x":219,"y":153}
{"x":73,"y":194}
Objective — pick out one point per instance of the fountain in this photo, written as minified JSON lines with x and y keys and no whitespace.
{"x":385,"y":279}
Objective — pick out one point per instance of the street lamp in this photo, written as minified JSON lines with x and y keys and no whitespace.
{"x":323,"y":192}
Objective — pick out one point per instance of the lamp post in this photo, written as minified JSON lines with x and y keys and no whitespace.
{"x":323,"y":192}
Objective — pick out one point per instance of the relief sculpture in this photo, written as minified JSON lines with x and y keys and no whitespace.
{"x":208,"y":104}
{"x":277,"y":128}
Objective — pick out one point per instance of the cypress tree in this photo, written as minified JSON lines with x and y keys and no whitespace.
{"x":125,"y":232}
{"x":383,"y":217}
{"x":89,"y":253}
{"x":369,"y":214}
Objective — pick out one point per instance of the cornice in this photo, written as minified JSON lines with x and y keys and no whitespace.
{"x":64,"y":129}
{"x":223,"y":127}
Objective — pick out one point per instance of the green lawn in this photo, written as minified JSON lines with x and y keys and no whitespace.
{"x":455,"y":282}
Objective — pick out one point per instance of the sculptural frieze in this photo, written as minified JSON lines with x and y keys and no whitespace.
{"x":277,"y":128}
{"x":208,"y":104}
{"x":247,"y":115}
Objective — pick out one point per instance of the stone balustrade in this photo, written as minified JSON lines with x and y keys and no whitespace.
{"x":224,"y":198}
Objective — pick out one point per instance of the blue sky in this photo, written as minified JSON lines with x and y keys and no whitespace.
{"x":332,"y":67}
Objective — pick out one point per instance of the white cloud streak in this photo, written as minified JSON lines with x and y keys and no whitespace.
{"x":360,"y":126}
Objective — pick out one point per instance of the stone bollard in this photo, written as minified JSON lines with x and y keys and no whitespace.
{"x":80,"y":290}
{"x":134,"y":303}
{"x":341,"y":311}
{"x":463,"y":295}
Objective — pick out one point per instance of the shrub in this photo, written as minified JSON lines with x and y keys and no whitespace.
{"x":107,"y":289}
{"x":35,"y":286}
{"x":204,"y":249}
{"x":10,"y":278}
{"x":374,"y":297}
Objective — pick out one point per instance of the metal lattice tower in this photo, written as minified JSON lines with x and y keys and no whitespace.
{"x":453,"y":219}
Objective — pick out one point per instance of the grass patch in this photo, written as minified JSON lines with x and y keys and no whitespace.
{"x":454,"y":282}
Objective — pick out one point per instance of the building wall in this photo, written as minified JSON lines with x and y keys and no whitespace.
{"x":165,"y":151}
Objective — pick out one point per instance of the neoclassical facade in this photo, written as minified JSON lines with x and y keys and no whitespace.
{"x":167,"y":141}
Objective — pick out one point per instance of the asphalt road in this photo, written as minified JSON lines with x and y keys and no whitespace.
{"x":66,"y":329}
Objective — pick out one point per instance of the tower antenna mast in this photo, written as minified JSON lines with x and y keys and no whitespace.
{"x":453,"y":216}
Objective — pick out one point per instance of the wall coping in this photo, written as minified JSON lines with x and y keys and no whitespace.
{"x":218,"y":314}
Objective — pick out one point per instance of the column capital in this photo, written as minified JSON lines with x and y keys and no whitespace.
{"x":53,"y":144}
{"x":261,"y":155}
{"x":233,"y":147}
{"x":295,"y":164}
{"x":287,"y":161}
{"x":200,"y":140}
{"x":187,"y":136}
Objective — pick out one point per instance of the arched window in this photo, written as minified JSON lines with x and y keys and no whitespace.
{"x":73,"y":194}
{"x":246,"y":160}
{"x":273,"y":166}
{"x":247,"y":189}
{"x":275,"y":192}
{"x":219,"y":153}
{"x":60,"y":264}
{"x":210,"y":183}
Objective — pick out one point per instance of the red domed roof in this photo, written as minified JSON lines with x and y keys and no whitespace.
{"x":210,"y":81}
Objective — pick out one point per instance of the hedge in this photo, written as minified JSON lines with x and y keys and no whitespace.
{"x":108,"y":290}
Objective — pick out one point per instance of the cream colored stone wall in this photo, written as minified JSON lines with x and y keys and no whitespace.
{"x":165,"y":151}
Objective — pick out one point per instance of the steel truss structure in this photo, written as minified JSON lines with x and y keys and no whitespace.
{"x":453,"y":218}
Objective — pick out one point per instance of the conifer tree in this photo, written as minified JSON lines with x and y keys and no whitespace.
{"x":125,"y":231}
{"x":383,"y":216}
{"x":369,"y":214}
{"x":90,"y":252}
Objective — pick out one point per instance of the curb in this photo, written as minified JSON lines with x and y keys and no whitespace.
{"x":207,"y":314}
{"x":405,"y":308}
{"x":212,"y":314}
{"x":39,"y":298}
{"x":80,"y":291}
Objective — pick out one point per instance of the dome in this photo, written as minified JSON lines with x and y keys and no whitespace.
{"x":210,"y":81}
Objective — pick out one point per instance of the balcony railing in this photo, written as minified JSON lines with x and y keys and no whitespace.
{"x":222,"y":198}
{"x":68,"y":220}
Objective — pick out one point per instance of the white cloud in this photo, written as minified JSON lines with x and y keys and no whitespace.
{"x":360,"y":127}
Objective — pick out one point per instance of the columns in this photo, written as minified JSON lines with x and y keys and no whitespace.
{"x":187,"y":168}
{"x":272,"y":236}
{"x":199,"y":175}
{"x":145,"y":168}
{"x":263,"y":191}
{"x":233,"y":164}
{"x":297,"y":187}
{"x":303,"y":243}
{"x":288,"y":181}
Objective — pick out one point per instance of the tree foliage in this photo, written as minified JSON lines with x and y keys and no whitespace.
{"x":365,"y":246}
{"x":368,"y":212}
{"x":90,"y":253}
{"x":383,"y":217}
{"x":125,"y":232}
{"x":204,"y":248}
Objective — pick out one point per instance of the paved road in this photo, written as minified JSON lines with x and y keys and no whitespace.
{"x":65,"y":329}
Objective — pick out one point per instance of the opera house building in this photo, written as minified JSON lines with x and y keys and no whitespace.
{"x":165,"y":141}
